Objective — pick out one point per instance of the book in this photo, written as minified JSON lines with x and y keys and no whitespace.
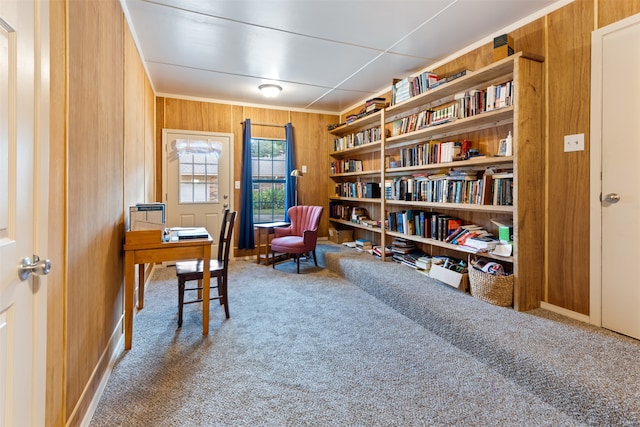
{"x":482,"y":242}
{"x":192,"y":233}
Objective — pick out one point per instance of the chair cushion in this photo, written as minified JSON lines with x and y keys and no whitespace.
{"x":289,"y":244}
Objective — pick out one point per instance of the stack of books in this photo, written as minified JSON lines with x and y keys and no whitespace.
{"x":375,"y":104}
{"x":363,"y":245}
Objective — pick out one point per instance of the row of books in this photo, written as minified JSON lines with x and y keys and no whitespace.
{"x":424,"y":119}
{"x":408,"y":87}
{"x":462,"y":187}
{"x":366,"y":136}
{"x":368,"y":190}
{"x":346,"y":166}
{"x":442,"y":227}
{"x":478,"y":101}
{"x":466,"y":104}
{"x":405,"y":252}
{"x":433,"y":152}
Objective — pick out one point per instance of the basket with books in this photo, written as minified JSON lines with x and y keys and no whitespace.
{"x":489,"y":282}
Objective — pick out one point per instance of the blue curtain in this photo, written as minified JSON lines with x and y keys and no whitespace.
{"x":245,"y":238}
{"x":290,"y":184}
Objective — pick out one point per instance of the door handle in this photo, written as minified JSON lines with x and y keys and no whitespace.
{"x":612,"y":198}
{"x":36,"y":266}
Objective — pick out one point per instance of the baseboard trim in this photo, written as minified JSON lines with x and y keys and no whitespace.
{"x":563,"y":311}
{"x":112,"y":351}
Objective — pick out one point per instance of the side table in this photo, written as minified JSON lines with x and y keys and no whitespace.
{"x":266,"y":230}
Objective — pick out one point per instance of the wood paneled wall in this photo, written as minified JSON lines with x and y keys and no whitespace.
{"x":56,"y":308}
{"x":310,"y":134}
{"x":102,"y":160}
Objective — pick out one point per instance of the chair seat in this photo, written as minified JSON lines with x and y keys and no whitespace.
{"x":290,"y":244}
{"x":195,"y":267}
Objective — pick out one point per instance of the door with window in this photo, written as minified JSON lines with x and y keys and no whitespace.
{"x":197,"y":176}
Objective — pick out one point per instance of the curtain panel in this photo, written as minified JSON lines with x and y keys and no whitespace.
{"x":246,"y":238}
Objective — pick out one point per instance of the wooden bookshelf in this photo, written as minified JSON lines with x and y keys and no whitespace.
{"x":484,"y":130}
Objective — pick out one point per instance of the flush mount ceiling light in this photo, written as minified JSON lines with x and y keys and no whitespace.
{"x":270,"y":90}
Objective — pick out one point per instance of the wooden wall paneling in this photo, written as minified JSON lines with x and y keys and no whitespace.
{"x":56,"y":307}
{"x":95,"y":194}
{"x":261,"y":116}
{"x":150,"y":171}
{"x":530,"y":38}
{"x":312,"y":149}
{"x":196,"y":115}
{"x":528,"y":132}
{"x":569,"y":80}
{"x":159,"y":124}
{"x":610,"y":11}
{"x":134,"y":119}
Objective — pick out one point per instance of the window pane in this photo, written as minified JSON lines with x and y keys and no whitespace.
{"x":269,"y":171}
{"x":198,"y":178}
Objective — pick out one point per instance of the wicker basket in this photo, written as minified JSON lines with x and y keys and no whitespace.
{"x":496,"y":290}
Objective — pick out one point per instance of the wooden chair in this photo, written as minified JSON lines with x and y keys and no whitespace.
{"x":301,"y":236}
{"x":192,"y":270}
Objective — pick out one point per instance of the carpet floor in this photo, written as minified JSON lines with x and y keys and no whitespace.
{"x":315,"y":349}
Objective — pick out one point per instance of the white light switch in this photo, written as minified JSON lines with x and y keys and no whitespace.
{"x":237,"y":185}
{"x":304,"y":168}
{"x":574,"y":142}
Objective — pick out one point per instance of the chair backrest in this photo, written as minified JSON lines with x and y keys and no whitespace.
{"x":226,"y":233}
{"x":304,"y":218}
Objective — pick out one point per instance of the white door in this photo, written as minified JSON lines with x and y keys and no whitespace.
{"x":197,"y":186}
{"x":616,"y":132}
{"x":24,"y":112}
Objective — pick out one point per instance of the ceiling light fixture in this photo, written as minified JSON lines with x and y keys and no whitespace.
{"x":270,"y":90}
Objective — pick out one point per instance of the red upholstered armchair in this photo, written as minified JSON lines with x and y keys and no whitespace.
{"x":301,"y":236}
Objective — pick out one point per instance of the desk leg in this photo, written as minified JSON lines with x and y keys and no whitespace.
{"x":129,"y":279}
{"x":206,"y":288}
{"x":140,"y":286}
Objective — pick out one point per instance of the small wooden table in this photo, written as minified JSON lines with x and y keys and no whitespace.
{"x":146,"y":246}
{"x":266,"y":228}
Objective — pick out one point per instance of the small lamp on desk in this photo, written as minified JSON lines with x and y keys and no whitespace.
{"x":296,"y":173}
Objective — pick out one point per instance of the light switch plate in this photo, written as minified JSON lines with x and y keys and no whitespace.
{"x":237,"y":185}
{"x":304,"y":168}
{"x":574,"y":142}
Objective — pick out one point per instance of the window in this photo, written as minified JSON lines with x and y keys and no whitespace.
{"x":198,"y":178}
{"x":269,"y":174}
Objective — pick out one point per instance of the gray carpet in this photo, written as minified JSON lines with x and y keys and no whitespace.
{"x":388,"y":347}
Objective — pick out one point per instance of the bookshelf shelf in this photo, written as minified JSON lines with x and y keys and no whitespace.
{"x":355,"y":225}
{"x":488,"y":120}
{"x":471,"y":163}
{"x":438,"y":243}
{"x":370,"y":147}
{"x":522,"y":172}
{"x":355,"y":174}
{"x":369,"y":120}
{"x":355,"y":199}
{"x":452,"y":206}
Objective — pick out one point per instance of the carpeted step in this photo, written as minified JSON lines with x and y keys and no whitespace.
{"x":536,"y":350}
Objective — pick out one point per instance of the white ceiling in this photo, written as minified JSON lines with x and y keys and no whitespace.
{"x":327,"y":55}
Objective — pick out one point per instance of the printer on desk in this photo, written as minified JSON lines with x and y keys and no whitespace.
{"x":147,"y":216}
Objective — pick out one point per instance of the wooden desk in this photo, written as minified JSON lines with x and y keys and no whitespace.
{"x":143,"y":247}
{"x":266,"y":228}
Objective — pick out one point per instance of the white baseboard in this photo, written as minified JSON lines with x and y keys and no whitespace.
{"x":563,"y":311}
{"x":115,"y":350}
